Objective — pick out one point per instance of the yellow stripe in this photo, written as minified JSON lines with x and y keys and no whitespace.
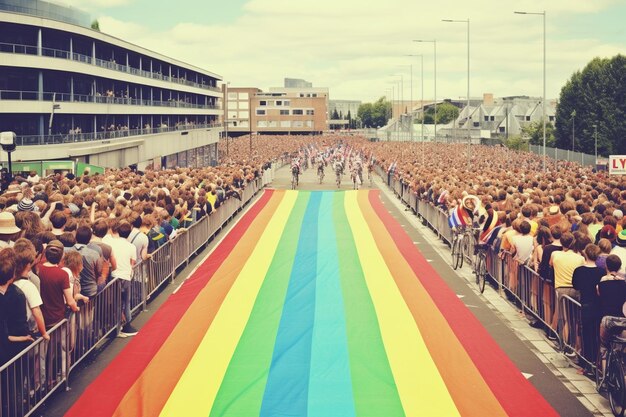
{"x":196,"y":390}
{"x":420,"y":386}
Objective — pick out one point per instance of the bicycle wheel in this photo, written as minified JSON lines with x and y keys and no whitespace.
{"x":455,"y":250}
{"x":615,"y":385}
{"x":599,"y":370}
{"x":481,"y":272}
{"x":461,"y":252}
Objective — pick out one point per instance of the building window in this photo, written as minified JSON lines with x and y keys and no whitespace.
{"x":551,"y":118}
{"x":297,"y":123}
{"x":501,"y":129}
{"x":493,"y":118}
{"x":310,"y":112}
{"x":486,"y":118}
{"x":261,"y":123}
{"x":309,"y":123}
{"x":528,"y":118}
{"x":232,"y":96}
{"x":260,"y":112}
{"x":314,"y":95}
{"x":262,"y":103}
{"x":284,"y":112}
{"x":285,"y":123}
{"x":297,"y":112}
{"x":279,"y":103}
{"x":286,"y":103}
{"x":301,"y":95}
{"x":476,"y":124}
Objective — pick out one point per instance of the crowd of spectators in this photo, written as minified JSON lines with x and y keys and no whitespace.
{"x":63,"y":237}
{"x":566,"y":223}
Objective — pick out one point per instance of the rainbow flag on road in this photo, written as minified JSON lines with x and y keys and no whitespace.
{"x":315,"y":304}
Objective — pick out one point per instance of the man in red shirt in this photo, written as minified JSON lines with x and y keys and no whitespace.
{"x":55,"y":294}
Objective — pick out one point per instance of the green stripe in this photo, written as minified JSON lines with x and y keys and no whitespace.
{"x":373,"y":385}
{"x":241,"y":391}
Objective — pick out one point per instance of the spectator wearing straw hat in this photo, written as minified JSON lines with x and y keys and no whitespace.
{"x":620,"y":249}
{"x":8,"y":230}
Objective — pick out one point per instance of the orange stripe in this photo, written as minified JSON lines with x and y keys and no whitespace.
{"x":470,"y":392}
{"x":152,"y":389}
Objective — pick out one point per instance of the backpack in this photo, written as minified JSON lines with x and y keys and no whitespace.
{"x":156,"y":239}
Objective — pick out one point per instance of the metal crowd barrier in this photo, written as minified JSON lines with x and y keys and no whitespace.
{"x":572,"y":331}
{"x":29,"y":378}
{"x":95,"y":321}
{"x":524,"y":286}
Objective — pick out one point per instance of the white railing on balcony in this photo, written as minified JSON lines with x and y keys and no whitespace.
{"x":104,"y":135}
{"x":99,"y":99}
{"x":112,"y":65}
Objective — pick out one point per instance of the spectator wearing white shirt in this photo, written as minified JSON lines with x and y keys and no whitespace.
{"x":125,"y":256}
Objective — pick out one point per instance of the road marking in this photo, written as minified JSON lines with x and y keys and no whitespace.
{"x":527,"y":376}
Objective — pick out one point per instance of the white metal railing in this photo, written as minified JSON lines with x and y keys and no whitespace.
{"x":109,"y":64}
{"x":98,"y":99}
{"x":109,"y":134}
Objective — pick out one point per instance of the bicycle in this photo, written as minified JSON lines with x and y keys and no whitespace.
{"x":457,"y":249}
{"x":610,"y":374}
{"x":294,"y":180}
{"x":480,"y":266}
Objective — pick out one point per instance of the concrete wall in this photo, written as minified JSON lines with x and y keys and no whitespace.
{"x":117,"y":153}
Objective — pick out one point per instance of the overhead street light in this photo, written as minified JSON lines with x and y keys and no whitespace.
{"x":434,"y":42}
{"x":543,"y":99}
{"x":421,"y":57}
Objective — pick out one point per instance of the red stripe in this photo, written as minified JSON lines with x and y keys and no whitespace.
{"x":515,"y":393}
{"x":102,"y":397}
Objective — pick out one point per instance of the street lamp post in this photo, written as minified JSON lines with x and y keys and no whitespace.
{"x":543,"y":99}
{"x":421,"y":57}
{"x":573,"y":127}
{"x":226,"y":115}
{"x":469,"y":137}
{"x":434,"y":42}
{"x":595,"y":134}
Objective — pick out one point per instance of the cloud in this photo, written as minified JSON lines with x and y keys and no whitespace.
{"x":354,"y":48}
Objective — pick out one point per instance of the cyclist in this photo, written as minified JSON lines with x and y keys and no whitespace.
{"x":320,"y":168}
{"x":295,"y":169}
{"x":338,"y":168}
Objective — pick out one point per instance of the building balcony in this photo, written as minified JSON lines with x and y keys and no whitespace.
{"x":98,"y":99}
{"x":76,"y":138}
{"x":111,"y":65}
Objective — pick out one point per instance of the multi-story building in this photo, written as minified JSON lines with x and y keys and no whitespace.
{"x":69,"y":91}
{"x":279,"y":111}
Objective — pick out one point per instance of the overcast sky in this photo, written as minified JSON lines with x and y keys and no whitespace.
{"x":355,"y":48}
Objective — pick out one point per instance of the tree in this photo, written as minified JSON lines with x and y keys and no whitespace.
{"x":374,"y":114}
{"x":446,"y":112}
{"x":594,"y":96}
{"x":334,"y":115}
{"x":95,"y":25}
{"x":534,"y":133}
{"x":516,"y":142}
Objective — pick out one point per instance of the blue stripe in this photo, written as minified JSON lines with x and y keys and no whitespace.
{"x":286,"y":391}
{"x":330,"y":390}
